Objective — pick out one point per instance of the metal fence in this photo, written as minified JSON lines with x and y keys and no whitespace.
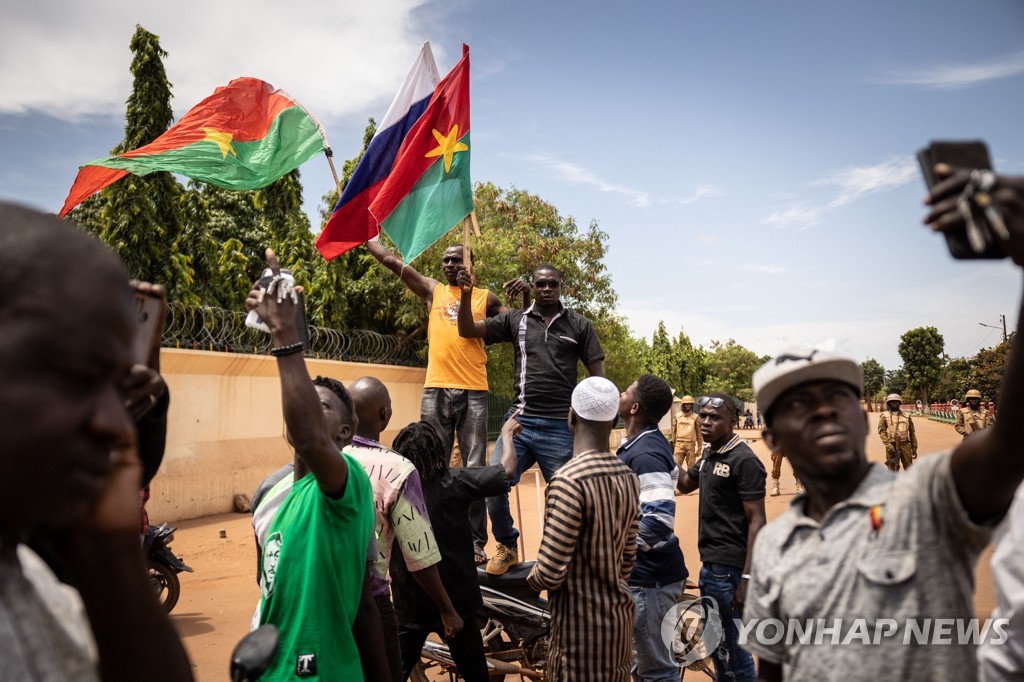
{"x":216,"y":329}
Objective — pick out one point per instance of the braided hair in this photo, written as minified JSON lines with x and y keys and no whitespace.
{"x":419,"y":443}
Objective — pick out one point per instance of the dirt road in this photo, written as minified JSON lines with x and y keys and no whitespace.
{"x":217,"y":600}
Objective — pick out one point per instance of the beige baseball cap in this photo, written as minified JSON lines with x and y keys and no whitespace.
{"x":797,"y":366}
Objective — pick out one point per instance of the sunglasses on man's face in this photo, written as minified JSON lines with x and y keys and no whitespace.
{"x":715,"y":403}
{"x":547,"y":284}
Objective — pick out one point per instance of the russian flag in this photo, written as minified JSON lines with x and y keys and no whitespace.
{"x":351,"y":223}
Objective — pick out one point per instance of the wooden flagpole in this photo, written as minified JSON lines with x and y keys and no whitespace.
{"x":467,"y":255}
{"x":330,"y":160}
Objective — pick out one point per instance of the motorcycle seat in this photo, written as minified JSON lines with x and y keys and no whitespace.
{"x":513,"y":577}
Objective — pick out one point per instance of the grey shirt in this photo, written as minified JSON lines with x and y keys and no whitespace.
{"x":44,"y":631}
{"x":882,"y":575}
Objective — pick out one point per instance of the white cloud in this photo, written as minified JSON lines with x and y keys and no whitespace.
{"x":576,"y":174}
{"x":571,"y":172}
{"x":956,"y":76}
{"x":853,"y":183}
{"x":859,"y":181}
{"x":336,"y":57}
{"x":797,"y":215}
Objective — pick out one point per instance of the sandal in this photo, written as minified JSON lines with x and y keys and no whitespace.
{"x":479,"y":557}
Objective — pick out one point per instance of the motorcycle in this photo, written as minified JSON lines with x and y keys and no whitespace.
{"x":164,"y":565}
{"x":516,"y":625}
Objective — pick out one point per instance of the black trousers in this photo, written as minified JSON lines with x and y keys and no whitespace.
{"x":390,"y":627}
{"x":467,"y":649}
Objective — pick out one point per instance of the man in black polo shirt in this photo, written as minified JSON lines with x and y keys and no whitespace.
{"x":549,"y":340}
{"x":732,"y":485}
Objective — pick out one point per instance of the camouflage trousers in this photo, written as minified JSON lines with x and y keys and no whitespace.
{"x":777,"y":458}
{"x":904,"y":456}
{"x":685,"y":454}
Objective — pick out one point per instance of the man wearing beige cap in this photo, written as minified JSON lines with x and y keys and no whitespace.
{"x":871,"y":568}
{"x":897,"y":432}
{"x":591,"y":517}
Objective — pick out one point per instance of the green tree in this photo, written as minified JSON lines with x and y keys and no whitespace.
{"x":731,"y":368}
{"x":874,"y":379}
{"x":684,"y":366}
{"x":953,"y":381}
{"x":895,"y":381}
{"x":139,"y":217}
{"x":921,"y":351}
{"x":988,"y":368}
{"x":660,"y":359}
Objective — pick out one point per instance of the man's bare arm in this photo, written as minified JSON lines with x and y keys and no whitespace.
{"x":303,"y":414}
{"x":988,"y":466}
{"x":756,"y":518}
{"x":596,"y":368}
{"x":468,"y":327}
{"x":419,"y":284}
{"x":686,"y":484}
{"x":430,"y":581}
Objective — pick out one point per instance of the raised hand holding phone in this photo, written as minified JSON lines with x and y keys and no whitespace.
{"x":281,"y":284}
{"x":960,"y":181}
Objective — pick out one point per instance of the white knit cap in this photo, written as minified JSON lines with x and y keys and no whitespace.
{"x":596,"y":399}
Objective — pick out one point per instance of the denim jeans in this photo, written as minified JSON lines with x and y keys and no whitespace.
{"x":731,"y":661}
{"x":653,"y":661}
{"x":454,"y":411}
{"x":546,"y":442}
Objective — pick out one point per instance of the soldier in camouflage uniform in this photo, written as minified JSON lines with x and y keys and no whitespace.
{"x":777,"y":458}
{"x":973,"y":418}
{"x":897,"y":432}
{"x":687,"y":440}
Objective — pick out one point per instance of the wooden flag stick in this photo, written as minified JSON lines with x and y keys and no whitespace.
{"x":476,"y":226}
{"x":330,"y":159}
{"x":467,"y":255}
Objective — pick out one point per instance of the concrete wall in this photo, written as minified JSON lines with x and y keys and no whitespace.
{"x":225,"y":430}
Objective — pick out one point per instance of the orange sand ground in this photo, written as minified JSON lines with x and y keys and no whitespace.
{"x":217,"y":600}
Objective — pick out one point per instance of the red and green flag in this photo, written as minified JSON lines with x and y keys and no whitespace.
{"x":428,"y":191}
{"x":245,"y":135}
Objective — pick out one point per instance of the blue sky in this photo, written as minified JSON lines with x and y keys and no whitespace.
{"x":752,"y":162}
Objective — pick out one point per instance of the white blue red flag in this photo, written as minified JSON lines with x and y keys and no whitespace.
{"x":351,"y":223}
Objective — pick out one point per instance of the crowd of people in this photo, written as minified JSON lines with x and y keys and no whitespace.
{"x":364,"y":549}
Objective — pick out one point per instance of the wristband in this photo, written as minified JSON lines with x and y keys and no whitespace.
{"x":744,"y":576}
{"x":290,"y":349}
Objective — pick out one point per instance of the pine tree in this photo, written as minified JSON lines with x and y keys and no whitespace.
{"x":140,"y":216}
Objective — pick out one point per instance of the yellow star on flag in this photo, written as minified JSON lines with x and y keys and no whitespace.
{"x":447,"y":146}
{"x":222,"y":140}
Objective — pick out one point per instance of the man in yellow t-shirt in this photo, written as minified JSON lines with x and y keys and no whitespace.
{"x":455,"y":391}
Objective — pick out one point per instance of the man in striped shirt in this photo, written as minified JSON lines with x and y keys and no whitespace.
{"x":659,"y":575}
{"x":589,"y":546}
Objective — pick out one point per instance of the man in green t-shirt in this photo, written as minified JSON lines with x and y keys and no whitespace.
{"x":314,"y":558}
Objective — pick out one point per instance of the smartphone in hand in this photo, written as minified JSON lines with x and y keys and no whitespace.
{"x":149,"y":318}
{"x":254,"y":321}
{"x":970,"y":155}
